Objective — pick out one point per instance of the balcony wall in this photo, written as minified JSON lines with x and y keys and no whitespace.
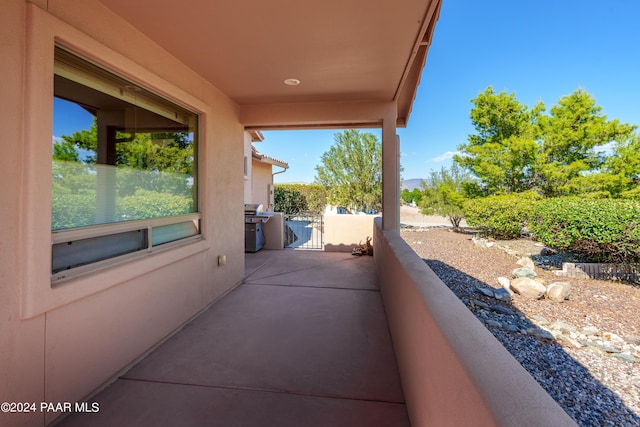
{"x":453,"y":371}
{"x":343,"y":232}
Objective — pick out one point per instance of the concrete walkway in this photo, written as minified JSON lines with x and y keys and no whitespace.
{"x":302,"y":342}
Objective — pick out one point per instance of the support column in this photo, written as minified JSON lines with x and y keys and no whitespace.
{"x":390,"y":171}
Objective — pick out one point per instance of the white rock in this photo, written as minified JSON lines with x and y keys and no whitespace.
{"x":558,"y":291}
{"x":528,"y":288}
{"x":504,"y":282}
{"x":527,"y":263}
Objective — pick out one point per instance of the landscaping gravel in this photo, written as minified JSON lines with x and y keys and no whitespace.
{"x":585,"y":352}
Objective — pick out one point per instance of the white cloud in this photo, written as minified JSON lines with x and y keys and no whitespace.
{"x":403,"y":154}
{"x":445,"y":156}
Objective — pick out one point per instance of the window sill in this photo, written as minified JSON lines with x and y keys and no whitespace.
{"x":45,"y":297}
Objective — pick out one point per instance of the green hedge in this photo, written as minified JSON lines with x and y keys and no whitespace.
{"x":605,"y":230}
{"x":501,"y":217}
{"x":296,"y":198}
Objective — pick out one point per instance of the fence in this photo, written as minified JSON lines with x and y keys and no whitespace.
{"x":627,"y":272}
{"x":304,"y":231}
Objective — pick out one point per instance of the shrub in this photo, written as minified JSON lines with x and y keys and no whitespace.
{"x":605,"y":230}
{"x":151,"y":204}
{"x":288,"y":200}
{"x":502,"y":217}
{"x":296,"y":198}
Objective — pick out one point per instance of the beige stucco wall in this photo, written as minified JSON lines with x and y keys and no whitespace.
{"x":247,"y":177}
{"x":60,"y":344}
{"x":343,"y":232}
{"x":453,"y":370}
{"x":261,"y":178}
{"x":274,"y":232}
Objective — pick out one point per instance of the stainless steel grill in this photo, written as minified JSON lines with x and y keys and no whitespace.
{"x":254,"y":219}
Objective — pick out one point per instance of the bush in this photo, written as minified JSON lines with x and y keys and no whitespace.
{"x":151,"y":204}
{"x":605,"y":230}
{"x":296,"y":198}
{"x":502,"y":217}
{"x":288,"y":200}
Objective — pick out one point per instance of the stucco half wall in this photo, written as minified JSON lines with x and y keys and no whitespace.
{"x":343,"y":232}
{"x":453,"y":370}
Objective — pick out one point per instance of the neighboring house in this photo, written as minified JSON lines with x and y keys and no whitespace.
{"x":259,"y":173}
{"x":105,"y":255}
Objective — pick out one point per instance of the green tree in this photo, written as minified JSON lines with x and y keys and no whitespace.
{"x":502,"y":154}
{"x":65,"y":151}
{"x":517,"y":149}
{"x":445,"y":194}
{"x":351,"y":171}
{"x":413,"y":196}
{"x":572,"y":134}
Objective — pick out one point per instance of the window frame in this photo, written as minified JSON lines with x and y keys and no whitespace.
{"x":38,"y":295}
{"x":73,"y":67}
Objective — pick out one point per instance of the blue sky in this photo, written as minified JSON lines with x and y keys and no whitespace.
{"x":539,"y":49}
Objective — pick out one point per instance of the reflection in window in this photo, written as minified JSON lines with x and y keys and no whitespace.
{"x":120,"y":153}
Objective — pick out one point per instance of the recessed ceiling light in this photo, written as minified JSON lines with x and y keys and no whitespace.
{"x":292,"y":82}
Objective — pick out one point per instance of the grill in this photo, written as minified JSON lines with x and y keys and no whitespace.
{"x":254,"y":218}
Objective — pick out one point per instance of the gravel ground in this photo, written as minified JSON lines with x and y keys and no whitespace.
{"x":592,"y":386}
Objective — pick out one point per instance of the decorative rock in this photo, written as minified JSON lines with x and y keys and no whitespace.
{"x":502,"y":294}
{"x":526,"y":262}
{"x":480,"y":303}
{"x":558,"y":291}
{"x":539,"y":320}
{"x":541,"y":281}
{"x":486,"y":292}
{"x":610,"y":336}
{"x":523,"y":272}
{"x":528,"y":287}
{"x":567,"y":339}
{"x":511,"y":328}
{"x":502,"y":310}
{"x":493,"y":323}
{"x":540,"y":333}
{"x":504,"y":282}
{"x":604,"y":348}
{"x":562,"y":326}
{"x":626,"y":357}
{"x":633,"y":339}
{"x":547,"y":252}
{"x":590,"y":330}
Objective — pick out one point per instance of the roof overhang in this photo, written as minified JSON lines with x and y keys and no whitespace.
{"x":262,"y":158}
{"x":352,"y":57}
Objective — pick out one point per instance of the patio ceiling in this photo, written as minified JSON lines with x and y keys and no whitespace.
{"x":342,"y":51}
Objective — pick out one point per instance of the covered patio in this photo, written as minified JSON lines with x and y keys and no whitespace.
{"x":302,"y":341}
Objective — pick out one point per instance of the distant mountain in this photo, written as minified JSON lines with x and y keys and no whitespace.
{"x":410,"y":184}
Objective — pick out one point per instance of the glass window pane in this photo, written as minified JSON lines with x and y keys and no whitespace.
{"x":120,"y":153}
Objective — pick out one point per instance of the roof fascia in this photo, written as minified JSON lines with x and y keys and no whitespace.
{"x":330,"y":115}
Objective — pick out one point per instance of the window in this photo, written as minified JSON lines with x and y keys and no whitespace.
{"x":124,"y":169}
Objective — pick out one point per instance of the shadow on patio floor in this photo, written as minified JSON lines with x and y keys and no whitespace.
{"x":302,"y":341}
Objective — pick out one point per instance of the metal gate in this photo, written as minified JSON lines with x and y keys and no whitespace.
{"x":303,"y":231}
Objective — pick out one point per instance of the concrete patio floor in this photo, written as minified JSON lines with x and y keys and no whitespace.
{"x":303,"y":341}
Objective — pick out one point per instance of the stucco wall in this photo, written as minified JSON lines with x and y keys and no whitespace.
{"x":247,"y":159}
{"x":343,"y":232}
{"x":274,"y":232}
{"x":261,"y":178}
{"x":60,"y":344}
{"x":453,"y":371}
